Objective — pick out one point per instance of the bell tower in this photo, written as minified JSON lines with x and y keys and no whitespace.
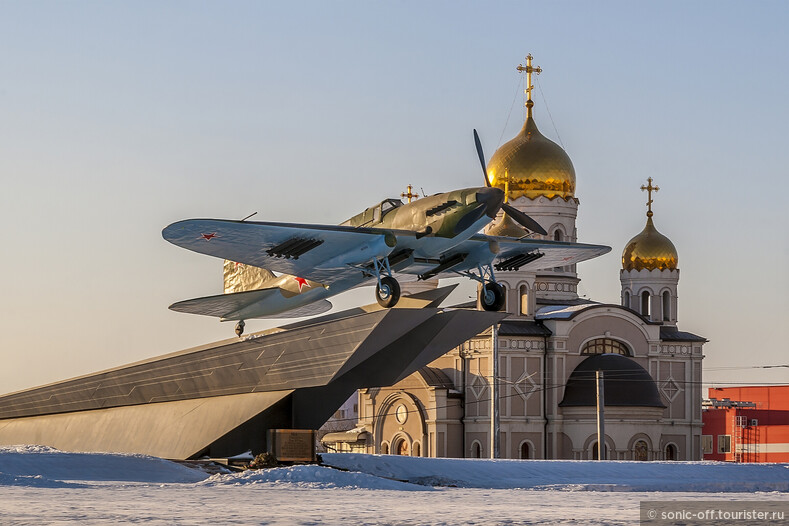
{"x":538,"y":178}
{"x":649,"y":275}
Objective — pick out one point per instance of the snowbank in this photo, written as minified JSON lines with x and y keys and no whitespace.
{"x":569,"y":474}
{"x":42,"y":466}
{"x":315,"y":477}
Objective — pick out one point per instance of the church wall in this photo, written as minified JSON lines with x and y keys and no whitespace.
{"x":599,"y":326}
{"x":682,"y":444}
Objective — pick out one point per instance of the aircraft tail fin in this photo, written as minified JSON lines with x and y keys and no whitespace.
{"x":239,"y":277}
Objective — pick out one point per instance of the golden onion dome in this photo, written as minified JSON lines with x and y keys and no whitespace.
{"x":532,"y":165}
{"x":650,"y":250}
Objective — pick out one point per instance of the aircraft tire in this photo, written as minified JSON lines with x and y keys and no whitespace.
{"x":494,"y":299}
{"x":240,"y":328}
{"x":388,"y":293}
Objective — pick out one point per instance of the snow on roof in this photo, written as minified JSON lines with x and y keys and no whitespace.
{"x":560,"y":312}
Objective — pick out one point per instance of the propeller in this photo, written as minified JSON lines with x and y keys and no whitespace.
{"x":481,"y":158}
{"x":470,"y":218}
{"x":523,"y":219}
{"x":517,"y":216}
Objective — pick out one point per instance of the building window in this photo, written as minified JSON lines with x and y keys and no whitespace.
{"x":401,"y":448}
{"x":666,"y":306}
{"x":641,"y":451}
{"x":476,"y":450}
{"x":706,"y":444}
{"x":524,"y":300}
{"x":557,"y":236}
{"x":605,"y":346}
{"x":645,"y":303}
{"x":627,"y":300}
{"x":671,"y":452}
{"x":384,"y":448}
{"x":415,"y":450}
{"x":724,"y":443}
{"x":525,"y":450}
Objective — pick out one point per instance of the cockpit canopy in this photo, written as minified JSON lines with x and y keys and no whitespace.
{"x":374,"y":214}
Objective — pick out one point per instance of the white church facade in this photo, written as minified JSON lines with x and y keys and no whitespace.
{"x":550,"y":346}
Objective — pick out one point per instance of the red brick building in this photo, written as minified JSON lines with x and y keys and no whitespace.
{"x":746,"y":424}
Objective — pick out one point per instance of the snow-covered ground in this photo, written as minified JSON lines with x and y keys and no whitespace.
{"x":43,"y":486}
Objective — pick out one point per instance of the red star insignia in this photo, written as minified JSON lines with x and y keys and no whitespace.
{"x":301,"y":282}
{"x":238,"y":264}
{"x":208,"y":237}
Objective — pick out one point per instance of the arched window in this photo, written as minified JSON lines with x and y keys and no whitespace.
{"x":666,"y":306}
{"x":645,"y":303}
{"x":557,"y":236}
{"x":415,"y":450}
{"x":525,"y":450}
{"x":594,"y":451}
{"x":476,"y":450}
{"x":640,"y":451}
{"x":384,"y":448}
{"x":627,"y":300}
{"x":605,"y":346}
{"x":671,"y":452}
{"x":524,"y":307}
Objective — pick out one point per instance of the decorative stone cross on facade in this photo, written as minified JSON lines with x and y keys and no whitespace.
{"x":649,"y":188}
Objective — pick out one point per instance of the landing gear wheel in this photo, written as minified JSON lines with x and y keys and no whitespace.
{"x":240,"y":328}
{"x":491,"y":297}
{"x":388,"y":292}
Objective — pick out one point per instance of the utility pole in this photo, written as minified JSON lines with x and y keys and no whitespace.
{"x":600,"y":415}
{"x":494,"y":392}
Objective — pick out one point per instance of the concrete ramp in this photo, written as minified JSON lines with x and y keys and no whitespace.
{"x":221,"y":398}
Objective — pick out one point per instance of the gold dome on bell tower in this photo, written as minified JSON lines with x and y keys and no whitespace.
{"x":650,"y":249}
{"x":530,"y":164}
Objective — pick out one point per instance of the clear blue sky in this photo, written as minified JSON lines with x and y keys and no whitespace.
{"x":117,"y":118}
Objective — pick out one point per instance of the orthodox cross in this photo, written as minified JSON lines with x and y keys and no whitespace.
{"x":409,"y":194}
{"x":649,"y":188}
{"x":529,"y":69}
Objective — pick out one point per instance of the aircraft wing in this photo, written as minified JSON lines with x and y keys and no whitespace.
{"x":507,"y":253}
{"x":226,"y":305}
{"x":537,"y":254}
{"x":321,"y":253}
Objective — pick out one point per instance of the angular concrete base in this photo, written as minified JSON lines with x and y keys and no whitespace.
{"x":220,"y":399}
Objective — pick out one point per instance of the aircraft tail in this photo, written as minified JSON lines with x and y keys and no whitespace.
{"x":239,"y":277}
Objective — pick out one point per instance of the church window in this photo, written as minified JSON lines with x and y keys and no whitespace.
{"x":671,"y":452}
{"x":605,"y":346}
{"x":525,"y":450}
{"x":557,"y":236}
{"x":627,"y":300}
{"x":384,"y":448}
{"x":666,"y":306}
{"x":402,"y":447}
{"x":415,"y":450}
{"x":524,"y":307}
{"x":645,"y":303}
{"x":640,"y":451}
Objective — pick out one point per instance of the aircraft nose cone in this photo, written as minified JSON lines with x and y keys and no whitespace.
{"x":492,"y":198}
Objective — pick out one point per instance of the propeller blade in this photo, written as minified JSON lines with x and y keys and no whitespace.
{"x":523,"y":220}
{"x":470,"y":218}
{"x":481,"y":158}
